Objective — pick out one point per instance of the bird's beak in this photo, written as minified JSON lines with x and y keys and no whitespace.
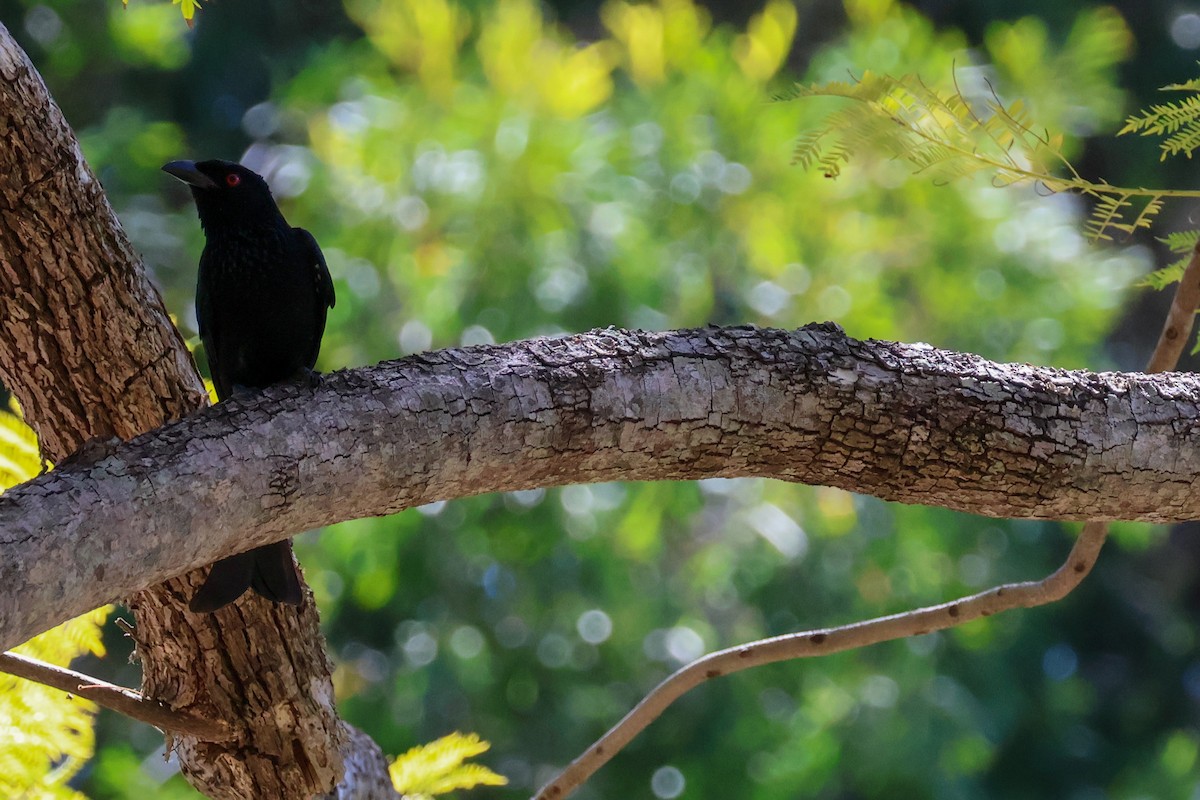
{"x":187,"y":172}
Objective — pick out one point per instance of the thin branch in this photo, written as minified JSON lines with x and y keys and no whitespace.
{"x":807,"y":644}
{"x":117,"y":698}
{"x":826,"y":641}
{"x":1177,"y":329}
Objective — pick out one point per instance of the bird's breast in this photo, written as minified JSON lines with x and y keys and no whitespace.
{"x":261,"y":308}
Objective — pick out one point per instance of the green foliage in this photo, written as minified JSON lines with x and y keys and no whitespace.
{"x":641,"y":180}
{"x":945,"y":136}
{"x":1181,"y":243}
{"x":439,"y":768}
{"x":939,"y":132}
{"x":1178,"y":122}
{"x":450,"y":203}
{"x":37,"y":761}
{"x":20,"y":458}
{"x":474,"y":171}
{"x":1084,"y":66}
{"x":150,"y":34}
{"x":187,"y":7}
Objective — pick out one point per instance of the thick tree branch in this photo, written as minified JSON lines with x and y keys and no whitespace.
{"x":903,"y":422}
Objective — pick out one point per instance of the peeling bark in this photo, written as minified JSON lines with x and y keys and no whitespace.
{"x":902,"y":422}
{"x":89,"y":350}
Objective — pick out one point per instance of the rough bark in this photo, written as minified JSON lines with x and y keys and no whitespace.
{"x":88,"y":349}
{"x":903,"y":422}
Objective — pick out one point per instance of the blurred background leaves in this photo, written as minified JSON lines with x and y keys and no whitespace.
{"x":48,"y":736}
{"x":484,"y":171}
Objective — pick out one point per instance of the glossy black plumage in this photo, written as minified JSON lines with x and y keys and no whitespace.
{"x":261,"y":299}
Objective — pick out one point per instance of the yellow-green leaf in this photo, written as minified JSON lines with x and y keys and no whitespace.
{"x":438,"y":767}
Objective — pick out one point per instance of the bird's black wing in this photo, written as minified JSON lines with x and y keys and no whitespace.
{"x":314,"y":260}
{"x":324,"y":280}
{"x":205,"y":321}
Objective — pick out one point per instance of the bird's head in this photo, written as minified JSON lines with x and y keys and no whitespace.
{"x":225,"y":193}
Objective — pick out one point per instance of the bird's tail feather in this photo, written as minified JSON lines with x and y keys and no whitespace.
{"x":269,"y":570}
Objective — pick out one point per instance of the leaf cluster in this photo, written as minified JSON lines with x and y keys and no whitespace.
{"x":440,"y":767}
{"x":945,"y":135}
{"x":1182,"y":244}
{"x":1178,"y":123}
{"x":20,"y":458}
{"x":939,"y":132}
{"x":38,"y":760}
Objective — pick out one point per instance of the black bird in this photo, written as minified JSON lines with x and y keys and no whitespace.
{"x":261,"y":299}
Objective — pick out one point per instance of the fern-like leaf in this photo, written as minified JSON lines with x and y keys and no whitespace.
{"x":938,"y":132}
{"x":831,"y":162}
{"x":808,"y":147}
{"x":1187,"y":86}
{"x":1178,"y":121}
{"x":1186,"y":140}
{"x":945,"y":136}
{"x":438,"y":768}
{"x":1162,"y":278}
{"x":1143,"y":219}
{"x":1163,"y":118}
{"x":1107,"y":214}
{"x":930,"y":155}
{"x":1181,"y":241}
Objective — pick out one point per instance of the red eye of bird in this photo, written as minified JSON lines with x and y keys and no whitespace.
{"x":232,"y":179}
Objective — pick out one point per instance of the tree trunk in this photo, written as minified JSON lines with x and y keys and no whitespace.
{"x":89,"y":351}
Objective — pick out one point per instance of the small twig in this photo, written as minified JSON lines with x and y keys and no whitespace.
{"x":1176,"y":331}
{"x":118,"y":698}
{"x":130,"y":632}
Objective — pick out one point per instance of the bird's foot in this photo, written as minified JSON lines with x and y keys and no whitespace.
{"x":308,"y":378}
{"x":243,"y":392}
{"x":93,"y":451}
